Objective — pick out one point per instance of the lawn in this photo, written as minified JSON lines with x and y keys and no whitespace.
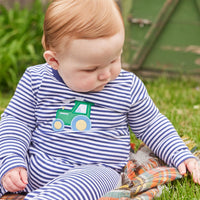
{"x":179,"y":100}
{"x":4,"y":100}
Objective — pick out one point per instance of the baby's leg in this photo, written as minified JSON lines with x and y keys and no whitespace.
{"x":82,"y":183}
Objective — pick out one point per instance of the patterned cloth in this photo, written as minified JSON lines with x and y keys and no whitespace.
{"x":151,"y":179}
{"x":13,"y":196}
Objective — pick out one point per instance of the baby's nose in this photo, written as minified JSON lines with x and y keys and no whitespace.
{"x":104,"y":75}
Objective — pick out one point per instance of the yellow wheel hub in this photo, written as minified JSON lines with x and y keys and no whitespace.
{"x":57,"y":125}
{"x":81,"y":125}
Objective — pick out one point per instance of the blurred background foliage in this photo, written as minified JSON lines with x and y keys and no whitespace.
{"x":20,"y":42}
{"x":175,"y":49}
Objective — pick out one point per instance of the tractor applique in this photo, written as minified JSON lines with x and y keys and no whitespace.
{"x":78,"y":117}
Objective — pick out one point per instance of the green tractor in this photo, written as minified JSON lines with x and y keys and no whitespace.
{"x":78,"y":117}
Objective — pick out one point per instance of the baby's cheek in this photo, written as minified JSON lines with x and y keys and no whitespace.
{"x":116,"y":73}
{"x":88,"y":83}
{"x":84,"y":84}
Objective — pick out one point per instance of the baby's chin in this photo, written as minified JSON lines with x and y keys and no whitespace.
{"x":82,"y":90}
{"x":98,"y":89}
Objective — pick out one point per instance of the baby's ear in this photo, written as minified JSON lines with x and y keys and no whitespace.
{"x":51,"y":59}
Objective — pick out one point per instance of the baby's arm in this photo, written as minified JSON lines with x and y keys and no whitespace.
{"x":193,"y":167}
{"x":15,"y":180}
{"x":157,"y":132}
{"x":16,"y":127}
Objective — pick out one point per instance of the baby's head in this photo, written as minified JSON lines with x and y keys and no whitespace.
{"x":83,"y":41}
{"x":66,"y":20}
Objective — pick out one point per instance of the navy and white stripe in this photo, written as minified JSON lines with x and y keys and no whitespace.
{"x":27,"y":124}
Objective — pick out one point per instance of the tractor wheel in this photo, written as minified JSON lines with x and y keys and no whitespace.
{"x":58,"y":125}
{"x":80,"y":123}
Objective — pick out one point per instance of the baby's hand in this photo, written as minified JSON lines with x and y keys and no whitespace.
{"x":192,"y":165}
{"x":15,"y":180}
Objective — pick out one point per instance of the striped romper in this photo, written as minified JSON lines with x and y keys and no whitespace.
{"x":74,"y":145}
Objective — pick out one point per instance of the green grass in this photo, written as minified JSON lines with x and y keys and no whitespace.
{"x":179,"y":100}
{"x":4,"y":100}
{"x":184,"y":189}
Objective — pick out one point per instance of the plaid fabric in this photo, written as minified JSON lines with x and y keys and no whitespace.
{"x":147,"y":194}
{"x":10,"y":196}
{"x":116,"y":195}
{"x":141,"y":162}
{"x":143,"y":196}
{"x":109,"y":198}
{"x":152,"y":178}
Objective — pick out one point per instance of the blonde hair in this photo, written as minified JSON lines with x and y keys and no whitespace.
{"x":80,"y":19}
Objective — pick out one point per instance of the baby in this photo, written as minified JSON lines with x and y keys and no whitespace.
{"x":65,"y":133}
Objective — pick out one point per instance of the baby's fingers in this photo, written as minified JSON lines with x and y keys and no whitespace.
{"x":196,"y":173}
{"x":10,"y":186}
{"x":18,"y":180}
{"x":23,"y":175}
{"x":196,"y":176}
{"x":182,"y":169}
{"x":15,"y":179}
{"x":194,"y":168}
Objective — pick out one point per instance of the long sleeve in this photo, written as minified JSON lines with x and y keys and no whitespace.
{"x":16,"y":126}
{"x":153,"y":128}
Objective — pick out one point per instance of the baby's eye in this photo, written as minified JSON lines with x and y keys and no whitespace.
{"x":91,"y":70}
{"x":115,"y":60}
